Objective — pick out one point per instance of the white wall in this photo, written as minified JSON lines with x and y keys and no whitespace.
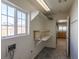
{"x":74,"y":30}
{"x":51,"y":25}
{"x":34,"y":14}
{"x":61,"y":16}
{"x":37,"y":24}
{"x":24,"y":45}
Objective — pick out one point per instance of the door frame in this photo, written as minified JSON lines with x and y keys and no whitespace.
{"x":68,"y":36}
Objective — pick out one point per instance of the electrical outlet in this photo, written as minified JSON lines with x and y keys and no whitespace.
{"x":11,"y":47}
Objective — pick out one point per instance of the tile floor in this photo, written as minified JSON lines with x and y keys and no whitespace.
{"x":58,"y":53}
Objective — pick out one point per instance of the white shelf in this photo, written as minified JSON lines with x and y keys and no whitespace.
{"x":43,"y":39}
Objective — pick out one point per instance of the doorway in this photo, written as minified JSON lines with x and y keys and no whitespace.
{"x":62,"y":35}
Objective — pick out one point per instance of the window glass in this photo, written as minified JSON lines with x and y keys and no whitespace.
{"x":4,"y":9}
{"x":4,"y":31}
{"x":10,"y":30}
{"x":23,"y":22}
{"x":4,"y":20}
{"x":10,"y":21}
{"x":60,"y":28}
{"x":64,"y":28}
{"x":10,"y":11}
{"x":19,"y":14}
{"x":19,"y":30}
{"x":19,"y":22}
{"x":23,"y":29}
{"x":23,"y":16}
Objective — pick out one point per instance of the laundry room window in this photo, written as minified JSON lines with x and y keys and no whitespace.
{"x":21,"y":22}
{"x":7,"y":20}
{"x":13,"y":21}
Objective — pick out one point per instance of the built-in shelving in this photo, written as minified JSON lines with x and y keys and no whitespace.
{"x":41,"y":36}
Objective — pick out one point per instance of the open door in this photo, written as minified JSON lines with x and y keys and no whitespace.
{"x":68,"y":36}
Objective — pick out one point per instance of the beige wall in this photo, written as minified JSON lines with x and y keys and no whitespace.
{"x":38,"y":24}
{"x":74,"y":30}
{"x":51,"y":26}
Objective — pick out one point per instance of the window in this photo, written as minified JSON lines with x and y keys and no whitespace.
{"x":9,"y":15}
{"x":7,"y":20}
{"x":62,"y":28}
{"x":21,"y":17}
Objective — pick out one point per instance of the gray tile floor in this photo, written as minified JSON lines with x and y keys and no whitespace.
{"x":58,"y":53}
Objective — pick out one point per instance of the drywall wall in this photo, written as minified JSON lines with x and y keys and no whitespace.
{"x":37,"y":24}
{"x":34,"y":14}
{"x":51,"y":26}
{"x":61,"y":16}
{"x":24,"y":45}
{"x":74,"y":30}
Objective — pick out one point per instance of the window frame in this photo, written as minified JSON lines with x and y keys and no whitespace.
{"x":15,"y":21}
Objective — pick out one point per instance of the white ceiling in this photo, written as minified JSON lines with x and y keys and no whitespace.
{"x":54,"y":5}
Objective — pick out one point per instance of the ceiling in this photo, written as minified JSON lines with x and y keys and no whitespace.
{"x":54,"y":5}
{"x":57,"y":6}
